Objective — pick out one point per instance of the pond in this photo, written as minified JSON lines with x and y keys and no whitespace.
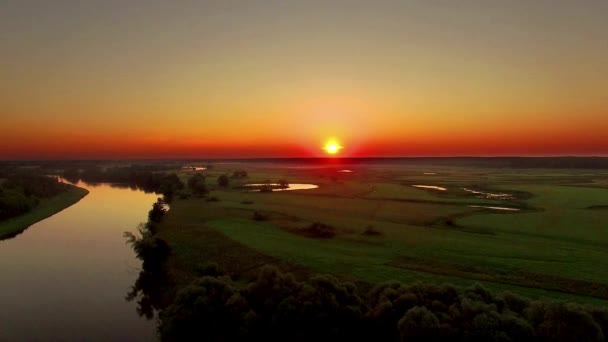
{"x":292,"y":186}
{"x":488,"y":195}
{"x":431,"y":187}
{"x":494,"y":208}
{"x":66,"y":277}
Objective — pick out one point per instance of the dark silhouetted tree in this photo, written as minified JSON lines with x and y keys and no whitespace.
{"x":283,"y":184}
{"x":196,"y":184}
{"x":158,"y":211}
{"x":223,"y":181}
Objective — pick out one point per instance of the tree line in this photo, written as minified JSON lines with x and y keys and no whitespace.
{"x":137,"y":176}
{"x":21,"y":192}
{"x":276,"y":306}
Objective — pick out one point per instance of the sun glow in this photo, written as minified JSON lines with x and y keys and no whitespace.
{"x":332,"y":147}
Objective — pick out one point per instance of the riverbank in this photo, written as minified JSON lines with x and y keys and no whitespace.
{"x":46,"y":208}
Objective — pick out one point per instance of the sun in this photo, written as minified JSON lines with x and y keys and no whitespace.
{"x":332,"y":147}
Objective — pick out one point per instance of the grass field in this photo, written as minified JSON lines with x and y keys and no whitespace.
{"x":47,"y":207}
{"x":554,"y":246}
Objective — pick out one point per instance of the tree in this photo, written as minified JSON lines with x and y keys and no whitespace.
{"x":196,"y":184}
{"x":418,"y":323}
{"x":223,"y":181}
{"x":158,"y":211}
{"x":283,"y":184}
{"x":169,"y":185}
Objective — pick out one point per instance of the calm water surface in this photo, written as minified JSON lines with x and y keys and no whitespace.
{"x":66,"y":277}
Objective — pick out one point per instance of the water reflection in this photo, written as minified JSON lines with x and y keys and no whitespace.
{"x":277,"y":187}
{"x":65,"y":277}
{"x":494,"y":208}
{"x":431,"y":187}
{"x":131,"y":186}
{"x":488,"y":195}
{"x":148,"y":291}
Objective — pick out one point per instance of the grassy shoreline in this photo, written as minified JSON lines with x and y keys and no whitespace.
{"x":47,"y":207}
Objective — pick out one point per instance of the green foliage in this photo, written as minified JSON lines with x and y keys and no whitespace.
{"x":169,"y":185}
{"x":417,"y":324}
{"x":158,"y":211}
{"x":43,"y":208}
{"x":276,"y":306}
{"x":152,"y":250}
{"x":319,"y":230}
{"x":149,"y":178}
{"x":258,"y":216}
{"x":19,"y":193}
{"x":13,"y":202}
{"x":196,"y":184}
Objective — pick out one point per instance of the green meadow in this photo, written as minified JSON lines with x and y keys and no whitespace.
{"x":552,"y":242}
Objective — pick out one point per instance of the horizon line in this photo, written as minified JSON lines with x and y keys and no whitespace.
{"x":306,"y":158}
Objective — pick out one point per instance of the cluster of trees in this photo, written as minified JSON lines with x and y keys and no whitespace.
{"x":196,"y":184}
{"x":269,"y":187}
{"x":138,"y":176}
{"x":19,"y":193}
{"x":276,"y":306}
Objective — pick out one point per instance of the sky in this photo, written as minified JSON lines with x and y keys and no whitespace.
{"x":230,"y":79}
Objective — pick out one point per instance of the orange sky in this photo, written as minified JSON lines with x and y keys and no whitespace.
{"x":279,"y":78}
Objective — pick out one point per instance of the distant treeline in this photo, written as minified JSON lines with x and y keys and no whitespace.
{"x":144,"y":177}
{"x":485,"y":162}
{"x":20,"y":192}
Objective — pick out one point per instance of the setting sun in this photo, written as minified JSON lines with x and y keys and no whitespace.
{"x":332,"y":147}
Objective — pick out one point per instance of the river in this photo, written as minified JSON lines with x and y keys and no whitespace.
{"x":66,"y":277}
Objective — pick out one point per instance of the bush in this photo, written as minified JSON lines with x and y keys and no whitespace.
{"x":223,"y":181}
{"x":320,"y":230}
{"x":257,"y":216}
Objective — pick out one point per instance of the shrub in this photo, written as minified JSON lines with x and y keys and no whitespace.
{"x":223,"y":181}
{"x":257,"y":216}
{"x":320,"y":230}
